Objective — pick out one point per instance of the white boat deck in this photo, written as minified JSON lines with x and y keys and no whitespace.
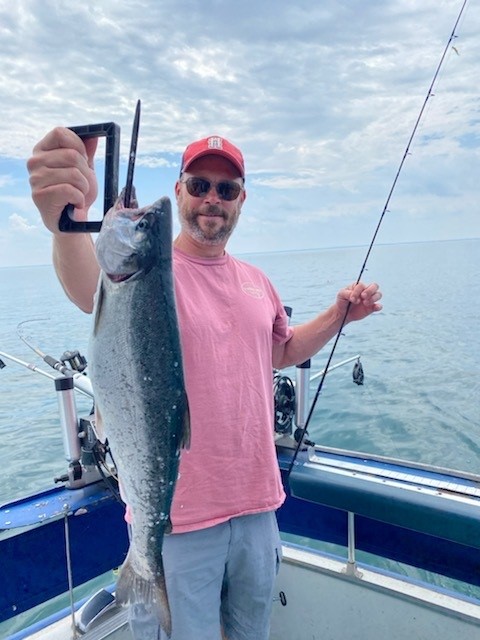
{"x":324,"y":600}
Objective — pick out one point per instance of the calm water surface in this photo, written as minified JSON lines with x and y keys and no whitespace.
{"x":421,"y":357}
{"x":421,"y":354}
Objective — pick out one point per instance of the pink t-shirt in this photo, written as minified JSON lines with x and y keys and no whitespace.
{"x":229,"y":315}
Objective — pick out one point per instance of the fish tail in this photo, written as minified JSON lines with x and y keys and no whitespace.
{"x":132,"y":588}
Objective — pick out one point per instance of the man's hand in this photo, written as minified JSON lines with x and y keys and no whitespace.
{"x":62,"y":172}
{"x":363,"y":301}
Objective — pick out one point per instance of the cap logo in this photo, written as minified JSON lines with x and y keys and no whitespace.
{"x":215,"y":142}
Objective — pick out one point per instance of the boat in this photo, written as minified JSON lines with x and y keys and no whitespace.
{"x":362,"y":536}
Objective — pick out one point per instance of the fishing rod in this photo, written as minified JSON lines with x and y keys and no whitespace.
{"x":84,"y":448}
{"x":27,"y":365}
{"x":303,"y":431}
{"x":76,"y":361}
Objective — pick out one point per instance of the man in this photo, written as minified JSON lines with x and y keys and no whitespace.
{"x":222,"y":556}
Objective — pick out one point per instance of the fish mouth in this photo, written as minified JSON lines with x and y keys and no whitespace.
{"x":118,"y":277}
{"x":122,"y":277}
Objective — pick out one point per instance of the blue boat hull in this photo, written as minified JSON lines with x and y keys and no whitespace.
{"x":403,"y":515}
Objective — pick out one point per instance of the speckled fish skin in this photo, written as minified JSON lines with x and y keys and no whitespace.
{"x":135,"y":364}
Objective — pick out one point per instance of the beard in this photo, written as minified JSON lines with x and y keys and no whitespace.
{"x":210,"y":225}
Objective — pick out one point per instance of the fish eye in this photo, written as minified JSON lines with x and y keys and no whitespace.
{"x":143,"y":225}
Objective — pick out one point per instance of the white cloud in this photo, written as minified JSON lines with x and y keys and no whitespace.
{"x":18,"y":223}
{"x":6,"y":181}
{"x":321,"y":97}
{"x":208,"y":63}
{"x":303,"y":179}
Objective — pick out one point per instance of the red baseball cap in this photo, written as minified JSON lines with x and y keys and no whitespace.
{"x":213,"y":145}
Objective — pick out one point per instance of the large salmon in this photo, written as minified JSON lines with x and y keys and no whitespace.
{"x":135,"y":364}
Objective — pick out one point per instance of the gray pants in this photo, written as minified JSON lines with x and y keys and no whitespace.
{"x":220,"y":576}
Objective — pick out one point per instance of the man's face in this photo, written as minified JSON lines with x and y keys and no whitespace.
{"x":208,"y":218}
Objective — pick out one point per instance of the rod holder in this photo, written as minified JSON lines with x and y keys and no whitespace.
{"x":302,"y":393}
{"x":68,"y":418}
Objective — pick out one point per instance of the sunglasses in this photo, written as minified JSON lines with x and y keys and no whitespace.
{"x":226,"y":189}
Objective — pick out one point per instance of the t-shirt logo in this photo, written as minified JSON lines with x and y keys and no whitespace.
{"x":252,"y":290}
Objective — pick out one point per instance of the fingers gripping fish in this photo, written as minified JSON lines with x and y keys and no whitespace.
{"x":136,"y":370}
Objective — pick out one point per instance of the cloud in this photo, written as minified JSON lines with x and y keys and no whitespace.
{"x":6,"y":181}
{"x":321,"y":97}
{"x":287,"y":181}
{"x":301,"y":70}
{"x":18,"y":223}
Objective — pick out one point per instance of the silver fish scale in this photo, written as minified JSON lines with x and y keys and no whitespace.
{"x":136,"y":369}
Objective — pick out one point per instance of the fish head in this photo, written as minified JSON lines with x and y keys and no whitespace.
{"x":133,"y":240}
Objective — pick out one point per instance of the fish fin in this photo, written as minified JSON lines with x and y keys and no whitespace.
{"x":132,"y":588}
{"x":185,"y":441}
{"x":99,"y":296}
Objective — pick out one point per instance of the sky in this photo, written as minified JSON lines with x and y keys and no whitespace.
{"x":322,"y":98}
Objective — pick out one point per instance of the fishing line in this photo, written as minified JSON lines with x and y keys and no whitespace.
{"x":303,"y":431}
{"x":50,"y":360}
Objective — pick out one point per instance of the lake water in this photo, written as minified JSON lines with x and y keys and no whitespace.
{"x":421,"y":354}
{"x":421,"y":357}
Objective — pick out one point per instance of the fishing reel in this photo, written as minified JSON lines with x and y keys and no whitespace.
{"x":284,"y":403}
{"x":88,"y":455}
{"x":284,"y":398}
{"x":74,"y":360}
